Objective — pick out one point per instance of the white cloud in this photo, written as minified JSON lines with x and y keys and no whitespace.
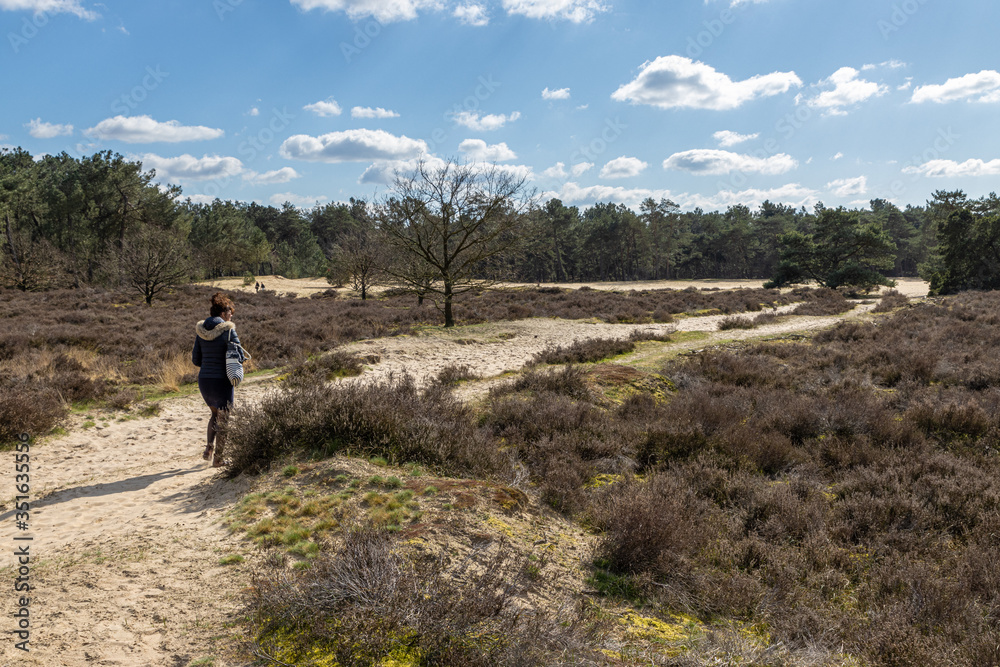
{"x":633,"y":197}
{"x":837,"y":156}
{"x":711,"y":161}
{"x":561,"y":94}
{"x":385,"y":11}
{"x":189,"y":168}
{"x":556,"y":171}
{"x":474,"y":121}
{"x":352,"y":146}
{"x":325,"y":108}
{"x":254,"y":111}
{"x":846,"y":187}
{"x":951,"y":168}
{"x":42,"y":130}
{"x":676,"y":82}
{"x":299,"y":201}
{"x":727,"y":138}
{"x":981,"y":87}
{"x":792,"y":194}
{"x":49,"y":7}
{"x":383,"y":172}
{"x":143,"y":129}
{"x":847,"y":90}
{"x":472,"y":15}
{"x":623,"y":167}
{"x":368,"y":112}
{"x":577,"y":11}
{"x":283,"y":175}
{"x":478,"y":150}
{"x":202,"y":199}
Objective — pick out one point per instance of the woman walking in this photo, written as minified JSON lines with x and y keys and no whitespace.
{"x":210,"y":344}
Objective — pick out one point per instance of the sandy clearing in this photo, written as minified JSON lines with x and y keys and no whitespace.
{"x":911,"y":287}
{"x":126,"y":515}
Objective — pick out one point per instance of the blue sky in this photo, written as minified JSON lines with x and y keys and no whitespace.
{"x":708,"y":103}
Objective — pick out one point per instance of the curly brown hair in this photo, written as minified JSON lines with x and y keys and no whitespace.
{"x":221,"y":303}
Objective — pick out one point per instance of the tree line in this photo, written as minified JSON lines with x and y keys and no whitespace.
{"x":103,"y":220}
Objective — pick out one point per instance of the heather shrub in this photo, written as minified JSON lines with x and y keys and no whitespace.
{"x":325,"y":367}
{"x":736,"y":322}
{"x":393,"y":420}
{"x":25,"y":408}
{"x":891,"y":300}
{"x":363,"y":603}
{"x":452,"y":374}
{"x":584,"y":351}
{"x":822,"y":301}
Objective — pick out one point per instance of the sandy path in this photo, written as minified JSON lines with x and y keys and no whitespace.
{"x":125,"y":515}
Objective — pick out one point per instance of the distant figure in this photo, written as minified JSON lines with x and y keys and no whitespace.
{"x":209,"y":354}
{"x":256,"y":287}
{"x":262,"y":285}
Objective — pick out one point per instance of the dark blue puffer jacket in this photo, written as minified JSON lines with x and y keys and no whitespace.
{"x":210,"y":345}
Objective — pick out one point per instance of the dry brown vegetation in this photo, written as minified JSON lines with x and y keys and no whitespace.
{"x":63,"y":347}
{"x":839,"y":495}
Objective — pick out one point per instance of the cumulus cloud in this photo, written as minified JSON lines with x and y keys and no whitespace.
{"x":383,"y":172}
{"x":727,"y":138}
{"x":49,"y":7}
{"x":951,"y":168}
{"x":981,"y":87}
{"x":474,"y":121}
{"x":42,"y":130}
{"x":847,"y":90}
{"x":300,"y":201}
{"x":325,"y":108}
{"x":561,"y":94}
{"x":368,"y":112}
{"x":480,"y":151}
{"x":792,"y":194}
{"x":352,"y":146}
{"x":846,"y":187}
{"x":283,"y":175}
{"x":189,"y":168}
{"x":671,"y":82}
{"x":623,"y":167}
{"x":577,"y":11}
{"x":471,"y":14}
{"x":572,"y":192}
{"x":558,"y":170}
{"x":385,"y":11}
{"x":143,"y":129}
{"x":709,"y":161}
{"x":254,"y":111}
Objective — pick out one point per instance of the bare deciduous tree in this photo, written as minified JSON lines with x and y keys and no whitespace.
{"x":361,"y":256}
{"x":149,"y":261}
{"x":457,"y":221}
